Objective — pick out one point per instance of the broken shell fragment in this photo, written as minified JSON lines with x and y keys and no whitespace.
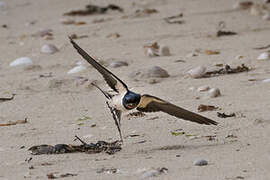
{"x":21,"y":61}
{"x":203,"y":88}
{"x":197,"y":72}
{"x":264,"y":56}
{"x":214,"y":92}
{"x":49,"y":49}
{"x":76,"y":69}
{"x":117,"y":64}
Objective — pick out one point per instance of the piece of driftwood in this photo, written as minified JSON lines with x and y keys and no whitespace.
{"x":227,"y":70}
{"x":100,"y":146}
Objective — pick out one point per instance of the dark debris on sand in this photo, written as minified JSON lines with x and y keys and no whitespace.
{"x":93,"y":9}
{"x":91,"y":148}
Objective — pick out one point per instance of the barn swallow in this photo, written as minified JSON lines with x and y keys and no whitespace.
{"x":124,"y":100}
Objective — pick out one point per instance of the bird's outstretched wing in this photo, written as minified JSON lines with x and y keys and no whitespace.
{"x":113,"y":81}
{"x":150,"y":103}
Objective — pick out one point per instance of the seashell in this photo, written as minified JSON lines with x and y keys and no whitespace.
{"x":243,"y":5}
{"x":151,"y":50}
{"x":165,"y":51}
{"x":117,"y":64}
{"x":214,"y":92}
{"x":238,"y":57}
{"x":21,"y":61}
{"x":203,"y":88}
{"x":76,"y":69}
{"x":200,"y":162}
{"x":264,"y":56}
{"x":197,"y":72}
{"x":49,"y":49}
{"x":266,"y":81}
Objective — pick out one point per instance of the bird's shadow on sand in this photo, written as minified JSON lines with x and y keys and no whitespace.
{"x":183,"y":147}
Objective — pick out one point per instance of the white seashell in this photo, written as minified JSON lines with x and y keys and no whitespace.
{"x":203,"y":88}
{"x":150,"y":52}
{"x":21,"y":61}
{"x":266,"y":81}
{"x":76,"y":69}
{"x":165,"y":51}
{"x":197,"y":72}
{"x":49,"y":49}
{"x":238,"y":57}
{"x":264,"y":56}
{"x":214,"y":92}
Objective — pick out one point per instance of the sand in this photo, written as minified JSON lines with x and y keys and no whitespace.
{"x":53,"y":105}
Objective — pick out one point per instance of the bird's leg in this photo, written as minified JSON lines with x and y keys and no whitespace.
{"x":116,"y":116}
{"x":106,"y":94}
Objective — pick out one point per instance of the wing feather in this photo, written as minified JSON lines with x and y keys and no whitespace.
{"x":150,"y":103}
{"x":113,"y":81}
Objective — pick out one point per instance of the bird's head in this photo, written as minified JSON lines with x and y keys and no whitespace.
{"x":131,"y":100}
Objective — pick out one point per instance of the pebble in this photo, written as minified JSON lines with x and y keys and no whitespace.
{"x":21,"y":61}
{"x":214,"y":92}
{"x":266,"y":16}
{"x":49,"y":49}
{"x":200,"y":162}
{"x":117,"y":64}
{"x":197,"y":72}
{"x":165,"y":51}
{"x":76,"y":69}
{"x":203,"y":88}
{"x":152,"y":72}
{"x":263,"y":56}
{"x":154,"y":172}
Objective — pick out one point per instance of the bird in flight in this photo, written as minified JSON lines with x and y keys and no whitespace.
{"x":124,"y":100}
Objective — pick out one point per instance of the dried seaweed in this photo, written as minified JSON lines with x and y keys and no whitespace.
{"x":92,"y":148}
{"x":14,"y":122}
{"x":225,"y":33}
{"x":93,"y":9}
{"x":223,"y":115}
{"x":228,"y":70}
{"x":203,"y":108}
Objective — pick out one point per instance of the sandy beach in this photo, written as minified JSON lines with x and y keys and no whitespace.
{"x":59,"y":105}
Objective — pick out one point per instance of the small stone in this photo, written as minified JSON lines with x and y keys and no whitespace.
{"x":67,"y":21}
{"x":117,"y":64}
{"x":165,"y":51}
{"x":147,"y":73}
{"x":214,"y":92}
{"x":266,"y":16}
{"x":264,"y":56}
{"x":49,"y":49}
{"x":197,"y":72}
{"x":26,"y":61}
{"x":77,"y":69}
{"x":203,"y":88}
{"x":200,"y":162}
